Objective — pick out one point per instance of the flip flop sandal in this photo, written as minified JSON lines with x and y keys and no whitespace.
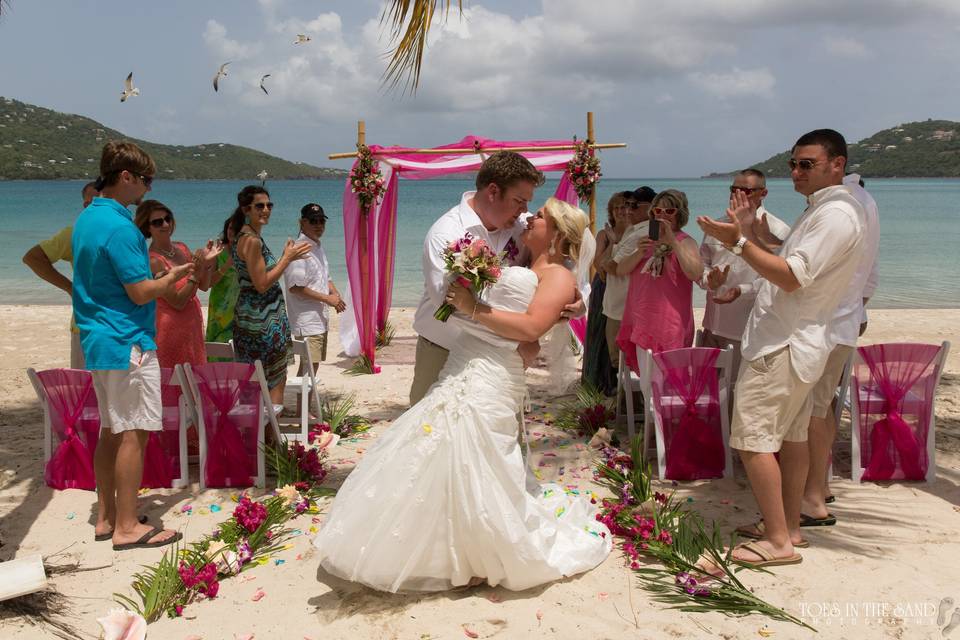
{"x":143,"y":543}
{"x":830,"y":499}
{"x":767,"y":558}
{"x":810,"y":521}
{"x":103,"y":537}
{"x":755,"y":532}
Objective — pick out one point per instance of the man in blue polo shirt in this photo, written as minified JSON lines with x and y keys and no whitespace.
{"x":113,"y":301}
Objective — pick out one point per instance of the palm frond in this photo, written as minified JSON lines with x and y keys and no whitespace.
{"x":362,"y":366}
{"x":409,"y":23}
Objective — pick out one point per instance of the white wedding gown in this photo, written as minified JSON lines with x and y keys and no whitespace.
{"x":444,"y":495}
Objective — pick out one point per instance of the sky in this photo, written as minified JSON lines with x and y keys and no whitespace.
{"x":691,"y":86}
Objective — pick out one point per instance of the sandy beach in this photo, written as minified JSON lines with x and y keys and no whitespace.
{"x":892,"y":557}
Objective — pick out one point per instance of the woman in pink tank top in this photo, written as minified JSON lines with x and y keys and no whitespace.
{"x":658,"y":314}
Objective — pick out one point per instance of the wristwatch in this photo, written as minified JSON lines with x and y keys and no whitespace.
{"x":737,"y":249}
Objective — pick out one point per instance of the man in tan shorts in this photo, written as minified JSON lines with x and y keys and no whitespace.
{"x":846,"y":327}
{"x":786,"y":343}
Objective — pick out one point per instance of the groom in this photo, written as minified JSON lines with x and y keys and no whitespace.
{"x":505,"y":185}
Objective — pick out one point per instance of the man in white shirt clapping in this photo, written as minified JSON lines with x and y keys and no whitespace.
{"x":309,"y":288}
{"x":730,"y":280}
{"x":788,"y":340}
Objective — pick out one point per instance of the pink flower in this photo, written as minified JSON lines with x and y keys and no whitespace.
{"x":249,"y":514}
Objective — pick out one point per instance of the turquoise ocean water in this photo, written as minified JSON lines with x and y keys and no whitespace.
{"x":919,"y":238}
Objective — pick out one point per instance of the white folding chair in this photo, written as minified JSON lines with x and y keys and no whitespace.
{"x":308,"y":390}
{"x":629,"y":382}
{"x":186,"y":415}
{"x":265,"y":409}
{"x":864,"y":397}
{"x":724,"y":365}
{"x":220,"y":350}
{"x":44,"y":404}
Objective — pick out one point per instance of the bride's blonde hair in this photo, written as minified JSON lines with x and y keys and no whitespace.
{"x":570,"y":222}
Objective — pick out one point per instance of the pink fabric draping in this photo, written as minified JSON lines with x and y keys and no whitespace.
{"x":566,"y":192}
{"x":895,"y":390}
{"x":231,"y":407}
{"x":74,"y":426}
{"x":161,"y":460}
{"x":370,"y":268}
{"x":687,"y":399}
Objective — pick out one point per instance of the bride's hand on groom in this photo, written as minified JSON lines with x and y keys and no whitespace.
{"x":461,"y":298}
{"x":576,"y":309}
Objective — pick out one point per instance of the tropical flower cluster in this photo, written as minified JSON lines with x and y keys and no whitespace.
{"x":587,"y":413}
{"x":696,"y":572}
{"x":473,"y":263}
{"x":366,"y":180}
{"x":584,"y":169}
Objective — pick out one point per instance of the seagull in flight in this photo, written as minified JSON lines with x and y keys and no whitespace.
{"x":261,"y":83}
{"x":263,"y":176}
{"x":128,"y":89}
{"x":301,"y":39}
{"x":221,"y":73}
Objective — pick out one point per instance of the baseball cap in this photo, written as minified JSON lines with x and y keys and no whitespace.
{"x":312,"y":211}
{"x":643,"y":194}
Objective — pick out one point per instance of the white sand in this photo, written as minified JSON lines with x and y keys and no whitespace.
{"x":894,"y":545}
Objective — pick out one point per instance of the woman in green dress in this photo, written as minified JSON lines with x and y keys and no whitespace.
{"x":223,"y":294}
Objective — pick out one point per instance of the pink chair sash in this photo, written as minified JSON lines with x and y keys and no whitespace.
{"x":895,"y":396}
{"x":161,"y":460}
{"x":75,"y":427}
{"x":692,"y":431}
{"x":230,"y":403}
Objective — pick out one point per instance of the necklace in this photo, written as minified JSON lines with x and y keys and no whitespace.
{"x":169,"y":254}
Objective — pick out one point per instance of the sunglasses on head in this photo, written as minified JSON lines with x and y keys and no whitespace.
{"x":669,"y":211}
{"x":803,"y":165}
{"x":746,"y":190}
{"x":159,"y":222}
{"x":260,"y":206}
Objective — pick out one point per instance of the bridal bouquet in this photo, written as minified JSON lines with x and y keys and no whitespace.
{"x":473,"y":263}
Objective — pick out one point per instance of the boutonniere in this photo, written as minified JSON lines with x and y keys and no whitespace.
{"x":511,"y":251}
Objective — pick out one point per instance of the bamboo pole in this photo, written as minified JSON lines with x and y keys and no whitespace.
{"x":593,"y":192}
{"x":439,"y":152}
{"x":365,"y":287}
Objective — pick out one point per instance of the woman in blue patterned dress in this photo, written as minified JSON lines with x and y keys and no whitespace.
{"x":261,"y":330}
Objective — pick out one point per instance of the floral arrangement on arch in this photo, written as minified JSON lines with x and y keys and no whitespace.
{"x":366,"y":180}
{"x":584,"y":169}
{"x":256,"y":530}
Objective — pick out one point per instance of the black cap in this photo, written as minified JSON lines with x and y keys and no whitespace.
{"x":643,"y":194}
{"x":311,"y":211}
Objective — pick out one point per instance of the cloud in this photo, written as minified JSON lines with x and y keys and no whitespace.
{"x":738,"y":83}
{"x":215,"y":37}
{"x":845,"y":47}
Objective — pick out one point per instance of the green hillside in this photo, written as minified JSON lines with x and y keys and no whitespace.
{"x":929,"y":149}
{"x":40,"y":144}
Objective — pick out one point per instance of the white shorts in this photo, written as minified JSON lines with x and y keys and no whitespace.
{"x":130,"y":399}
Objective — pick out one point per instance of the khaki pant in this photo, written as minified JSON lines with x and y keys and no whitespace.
{"x":612,"y":329}
{"x":426,"y":370}
{"x":76,"y":352}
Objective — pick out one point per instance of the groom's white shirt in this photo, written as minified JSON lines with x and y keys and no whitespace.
{"x":452,"y":225}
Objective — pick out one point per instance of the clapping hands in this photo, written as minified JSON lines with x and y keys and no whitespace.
{"x":717,"y":277}
{"x":728,"y":232}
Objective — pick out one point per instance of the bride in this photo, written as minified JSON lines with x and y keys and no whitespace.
{"x":444,"y":499}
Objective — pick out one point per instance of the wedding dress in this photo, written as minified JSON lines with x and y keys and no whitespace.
{"x":444,"y":494}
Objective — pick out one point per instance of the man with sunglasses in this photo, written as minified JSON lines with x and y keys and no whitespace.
{"x":309,"y":288}
{"x":113,"y":301}
{"x":728,"y":277}
{"x":788,"y":338}
{"x":41,"y":258}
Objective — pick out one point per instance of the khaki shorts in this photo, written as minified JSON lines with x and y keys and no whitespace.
{"x":130,"y":398}
{"x":825,"y":390}
{"x":318,"y":346}
{"x":772,"y":404}
{"x":426,"y":370}
{"x":712,"y":340}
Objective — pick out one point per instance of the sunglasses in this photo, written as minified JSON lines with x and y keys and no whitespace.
{"x":748,"y":190}
{"x":316,"y":220}
{"x":146,"y":180}
{"x":803,"y":165}
{"x":159,"y":222}
{"x":664,"y":212}
{"x":260,"y":206}
{"x":635,"y":205}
